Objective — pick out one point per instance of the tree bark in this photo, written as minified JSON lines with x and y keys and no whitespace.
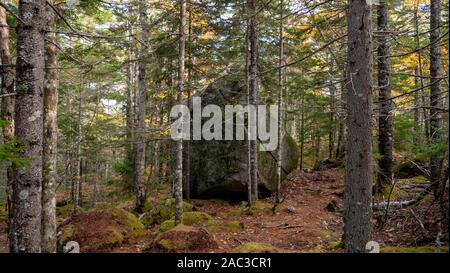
{"x":178,"y":189}
{"x":76,"y":179}
{"x":50,"y":141}
{"x":385,"y":86}
{"x":436,"y":123}
{"x":253,"y":91}
{"x":7,"y":103}
{"x":280,"y":105}
{"x":141,"y":103}
{"x":25,"y":233}
{"x":358,"y":169}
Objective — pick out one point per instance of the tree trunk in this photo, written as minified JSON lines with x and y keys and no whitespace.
{"x":385,"y":85}
{"x":25,"y":233}
{"x":49,"y":156}
{"x":358,"y":167}
{"x":178,"y":189}
{"x":280,"y":106}
{"x":253,"y":89}
{"x":76,"y":179}
{"x":141,"y":103}
{"x":425,"y":116}
{"x":436,"y":123}
{"x":7,"y":103}
{"x":130,"y":112}
{"x":302,"y":129}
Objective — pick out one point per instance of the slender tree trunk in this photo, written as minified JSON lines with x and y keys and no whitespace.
{"x":358,"y":169}
{"x":425,"y":115}
{"x":436,"y":122}
{"x":280,"y":106}
{"x":253,"y":86}
{"x":7,"y":103}
{"x":130,"y":112}
{"x":25,"y":233}
{"x":385,"y":85}
{"x":302,"y":129}
{"x":340,"y":147}
{"x":247,"y":81}
{"x":76,"y":180}
{"x":141,"y":103}
{"x":187,"y":188}
{"x":179,"y":168}
{"x":417,"y":121}
{"x":50,"y":139}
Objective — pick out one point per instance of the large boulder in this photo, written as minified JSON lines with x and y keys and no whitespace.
{"x":218,"y":168}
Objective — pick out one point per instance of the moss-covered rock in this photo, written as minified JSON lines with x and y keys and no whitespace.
{"x":196,"y":218}
{"x":254,"y":247}
{"x":408,"y":169}
{"x":227,"y":226}
{"x":182,"y":239}
{"x":100,"y":230}
{"x":163,"y":212}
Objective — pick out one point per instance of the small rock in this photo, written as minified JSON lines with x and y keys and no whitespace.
{"x":291,"y":210}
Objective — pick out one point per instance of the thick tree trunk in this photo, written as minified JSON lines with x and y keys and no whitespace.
{"x":436,"y":123}
{"x":253,"y":91}
{"x":49,"y":156}
{"x":7,"y":104}
{"x":141,"y":103}
{"x":358,"y":169}
{"x":385,"y":86}
{"x":178,"y":189}
{"x":25,"y":233}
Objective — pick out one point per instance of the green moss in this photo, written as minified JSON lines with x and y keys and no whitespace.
{"x":335,"y":245}
{"x":235,"y":212}
{"x":421,"y":249}
{"x":196,"y":218}
{"x":166,"y":225}
{"x":3,"y":212}
{"x":230,"y":226}
{"x":163,"y":212}
{"x":67,"y":211}
{"x":190,"y":218}
{"x":67,"y":233}
{"x":254,"y":247}
{"x":420,"y":179}
{"x":136,"y":227}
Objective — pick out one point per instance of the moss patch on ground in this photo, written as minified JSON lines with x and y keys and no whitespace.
{"x":254,"y":247}
{"x":190,"y":218}
{"x":163,"y":212}
{"x":419,"y":249}
{"x":227,"y":226}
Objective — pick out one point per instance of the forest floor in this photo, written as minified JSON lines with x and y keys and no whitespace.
{"x":309,"y":219}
